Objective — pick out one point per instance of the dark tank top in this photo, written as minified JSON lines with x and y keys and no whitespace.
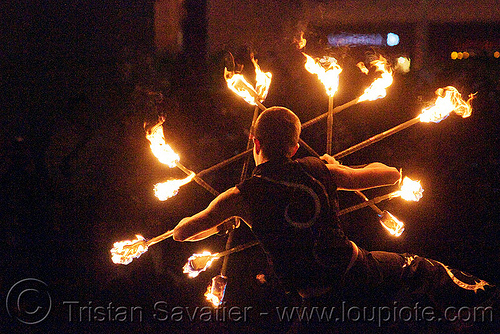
{"x":293,"y":206}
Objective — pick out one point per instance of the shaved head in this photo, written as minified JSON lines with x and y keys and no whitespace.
{"x":278,"y":131}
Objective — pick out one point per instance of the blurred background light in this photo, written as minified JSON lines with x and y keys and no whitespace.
{"x":403,"y":64}
{"x":392,"y":39}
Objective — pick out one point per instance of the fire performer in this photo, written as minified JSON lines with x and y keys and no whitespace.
{"x":291,"y":207}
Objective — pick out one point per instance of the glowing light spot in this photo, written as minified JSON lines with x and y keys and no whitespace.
{"x":460,"y":55}
{"x":454,"y":55}
{"x":466,"y":55}
{"x":392,"y":39}
{"x":496,"y":54}
{"x":403,"y":64}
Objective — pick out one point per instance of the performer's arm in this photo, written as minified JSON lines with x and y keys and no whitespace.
{"x":206,"y":222}
{"x":372,"y":175}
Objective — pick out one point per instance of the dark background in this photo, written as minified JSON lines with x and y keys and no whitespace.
{"x":78,"y":82}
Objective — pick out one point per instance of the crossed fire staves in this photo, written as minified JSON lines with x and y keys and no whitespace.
{"x":448,"y":100}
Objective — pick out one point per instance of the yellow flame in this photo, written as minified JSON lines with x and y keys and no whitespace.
{"x":170,"y":188}
{"x":377,"y":89}
{"x":238,"y":84}
{"x":211,"y":297}
{"x":263,"y":80}
{"x":362,"y":67}
{"x":215,"y":291}
{"x":198,"y":263}
{"x":448,"y":100}
{"x":301,"y":42}
{"x":162,"y":151}
{"x":393,"y":225}
{"x":123,"y":252}
{"x":327,"y":70}
{"x":410,"y":190}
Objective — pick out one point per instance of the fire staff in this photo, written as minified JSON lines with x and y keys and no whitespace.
{"x":291,"y":207}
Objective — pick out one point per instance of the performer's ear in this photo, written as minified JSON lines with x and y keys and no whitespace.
{"x":256,"y":144}
{"x":294,"y":150}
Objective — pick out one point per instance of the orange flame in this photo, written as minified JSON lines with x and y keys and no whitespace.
{"x":124,"y":252}
{"x":410,"y":190}
{"x":215,"y":291}
{"x":448,"y":100}
{"x":393,"y":225}
{"x":327,"y":70}
{"x":238,"y":84}
{"x":198,"y":263}
{"x":170,"y":188}
{"x":301,"y":43}
{"x":377,"y":89}
{"x":263,"y":80}
{"x":362,"y":67}
{"x":162,"y":151}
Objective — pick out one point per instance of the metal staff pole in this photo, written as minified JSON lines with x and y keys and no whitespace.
{"x":159,"y":238}
{"x":242,"y":177}
{"x":334,"y":111}
{"x":197,"y":179}
{"x":359,"y":193}
{"x":329,"y":126}
{"x":238,"y":248}
{"x":243,"y":154}
{"x":377,"y":138}
{"x":224,"y":163}
{"x":367,"y":203}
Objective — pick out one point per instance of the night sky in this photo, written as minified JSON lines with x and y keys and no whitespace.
{"x":80,"y":80}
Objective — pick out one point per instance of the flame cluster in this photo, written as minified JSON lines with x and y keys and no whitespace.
{"x":238,"y":84}
{"x":166,"y":155}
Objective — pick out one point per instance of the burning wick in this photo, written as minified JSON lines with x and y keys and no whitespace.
{"x":238,"y":84}
{"x":124,"y":252}
{"x":262,"y":80}
{"x":327,"y":70}
{"x":393,"y":225}
{"x":410,"y":190}
{"x":449,"y":100}
{"x":377,"y":89}
{"x":202,"y":261}
{"x":301,"y":42}
{"x":162,"y":151}
{"x":198,"y":263}
{"x":215,"y":291}
{"x":170,"y":188}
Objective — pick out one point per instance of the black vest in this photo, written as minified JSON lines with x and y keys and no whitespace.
{"x":293,"y":211}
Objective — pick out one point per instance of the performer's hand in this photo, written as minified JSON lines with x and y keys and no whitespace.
{"x":228,"y":226}
{"x":329,"y":159}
